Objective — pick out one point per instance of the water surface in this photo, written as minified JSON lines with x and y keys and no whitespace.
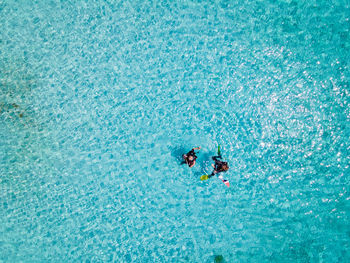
{"x":100,"y":98}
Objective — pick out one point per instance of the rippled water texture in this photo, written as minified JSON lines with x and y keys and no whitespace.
{"x":99,"y":99}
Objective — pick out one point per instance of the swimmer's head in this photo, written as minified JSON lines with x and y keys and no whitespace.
{"x":190,"y":158}
{"x":225,"y":166}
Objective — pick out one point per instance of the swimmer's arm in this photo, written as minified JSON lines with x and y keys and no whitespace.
{"x":197,"y":148}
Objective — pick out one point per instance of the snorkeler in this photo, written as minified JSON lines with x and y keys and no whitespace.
{"x":190,"y":157}
{"x":219,"y":165}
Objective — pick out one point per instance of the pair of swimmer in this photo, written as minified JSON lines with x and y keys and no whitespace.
{"x":219,"y":166}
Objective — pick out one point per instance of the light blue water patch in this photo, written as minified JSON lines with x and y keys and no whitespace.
{"x":99,"y":100}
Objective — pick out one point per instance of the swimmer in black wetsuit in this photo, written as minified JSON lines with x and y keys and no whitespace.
{"x":190,"y":157}
{"x":219,"y":165}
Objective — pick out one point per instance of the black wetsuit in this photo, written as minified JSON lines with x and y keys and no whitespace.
{"x":190,"y":153}
{"x":218,"y":166}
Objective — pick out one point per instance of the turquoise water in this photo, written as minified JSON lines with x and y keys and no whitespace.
{"x":100,"y":98}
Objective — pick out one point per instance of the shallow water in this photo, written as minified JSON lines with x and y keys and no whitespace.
{"x":99,"y":99}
